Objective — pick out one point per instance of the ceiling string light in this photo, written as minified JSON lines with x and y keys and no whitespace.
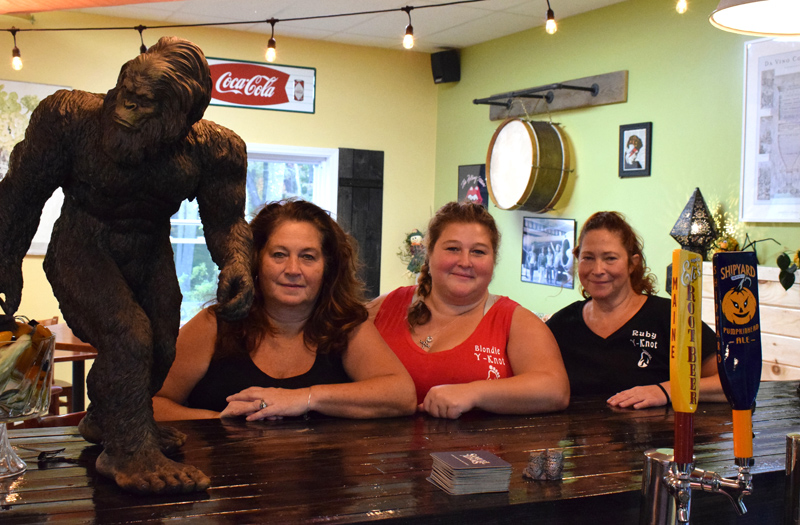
{"x":142,"y":48}
{"x":271,"y":53}
{"x":681,"y":6}
{"x":16,"y":58}
{"x":550,"y":25}
{"x":408,"y":38}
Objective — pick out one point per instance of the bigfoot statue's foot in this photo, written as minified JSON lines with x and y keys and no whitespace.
{"x":169,"y":439}
{"x":147,"y":471}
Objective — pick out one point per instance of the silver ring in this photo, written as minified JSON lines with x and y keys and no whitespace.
{"x":263,"y":405}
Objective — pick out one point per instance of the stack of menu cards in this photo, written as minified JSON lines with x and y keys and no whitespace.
{"x":470,"y":472}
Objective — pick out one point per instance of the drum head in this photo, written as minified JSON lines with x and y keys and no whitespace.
{"x":511,"y":157}
{"x":526,"y":165}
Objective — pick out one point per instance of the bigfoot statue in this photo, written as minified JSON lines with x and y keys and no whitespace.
{"x":125,"y":162}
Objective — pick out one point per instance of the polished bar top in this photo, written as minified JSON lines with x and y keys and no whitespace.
{"x":345,"y":471}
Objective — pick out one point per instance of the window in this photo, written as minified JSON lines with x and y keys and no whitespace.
{"x":273,"y":173}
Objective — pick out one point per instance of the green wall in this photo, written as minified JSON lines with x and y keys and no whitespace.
{"x":685,"y":76}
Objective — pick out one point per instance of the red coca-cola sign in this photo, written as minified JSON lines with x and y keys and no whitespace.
{"x":248,"y":84}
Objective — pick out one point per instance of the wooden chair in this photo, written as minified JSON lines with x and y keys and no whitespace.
{"x":61,"y":393}
{"x":65,"y":420}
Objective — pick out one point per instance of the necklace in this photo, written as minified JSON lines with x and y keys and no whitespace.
{"x":428,"y":341}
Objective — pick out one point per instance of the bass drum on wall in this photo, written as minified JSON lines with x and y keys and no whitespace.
{"x":527,"y":165}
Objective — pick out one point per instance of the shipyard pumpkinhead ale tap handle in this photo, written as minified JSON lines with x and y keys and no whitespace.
{"x":738,"y":326}
{"x":685,"y":346}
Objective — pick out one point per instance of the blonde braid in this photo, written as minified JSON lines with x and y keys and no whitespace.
{"x":418,"y":312}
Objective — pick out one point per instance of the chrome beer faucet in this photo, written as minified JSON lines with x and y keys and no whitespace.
{"x":667,"y":487}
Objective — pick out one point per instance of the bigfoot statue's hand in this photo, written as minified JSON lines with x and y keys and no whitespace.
{"x":234,"y":293}
{"x":11,"y":286}
{"x":126,"y":161}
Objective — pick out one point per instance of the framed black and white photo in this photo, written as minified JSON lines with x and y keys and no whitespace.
{"x":770,"y":185}
{"x":635,"y":147}
{"x":547,"y":251}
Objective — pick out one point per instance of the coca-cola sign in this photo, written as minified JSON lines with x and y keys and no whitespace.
{"x":254,"y":85}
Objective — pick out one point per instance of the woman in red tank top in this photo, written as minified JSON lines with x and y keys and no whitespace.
{"x":464,"y":347}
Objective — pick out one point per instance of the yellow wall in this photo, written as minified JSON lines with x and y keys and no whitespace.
{"x":367,"y":98}
{"x":685,"y":76}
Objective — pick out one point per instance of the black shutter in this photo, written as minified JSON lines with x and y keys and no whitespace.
{"x":360,"y":209}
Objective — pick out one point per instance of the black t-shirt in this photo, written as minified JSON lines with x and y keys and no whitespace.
{"x":636,"y":354}
{"x":228,"y":376}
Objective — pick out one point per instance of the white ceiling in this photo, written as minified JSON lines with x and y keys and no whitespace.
{"x":435,"y":28}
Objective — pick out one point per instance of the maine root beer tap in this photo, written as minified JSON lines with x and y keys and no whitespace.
{"x":684,"y":373}
{"x":738,"y":346}
{"x":685,"y":344}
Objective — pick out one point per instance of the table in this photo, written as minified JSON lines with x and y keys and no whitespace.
{"x":69,"y":348}
{"x":346,"y":471}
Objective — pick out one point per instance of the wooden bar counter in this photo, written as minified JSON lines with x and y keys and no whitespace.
{"x":346,"y":471}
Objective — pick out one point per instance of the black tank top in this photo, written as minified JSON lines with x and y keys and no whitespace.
{"x":231,"y":375}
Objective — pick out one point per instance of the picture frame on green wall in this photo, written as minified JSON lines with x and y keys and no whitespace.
{"x":547,"y":251}
{"x":635,"y":148}
{"x":472,"y":184}
{"x":770,"y":182}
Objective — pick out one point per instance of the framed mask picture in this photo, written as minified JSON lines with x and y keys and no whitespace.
{"x":472,"y":184}
{"x":547,"y":251}
{"x":635,"y":147}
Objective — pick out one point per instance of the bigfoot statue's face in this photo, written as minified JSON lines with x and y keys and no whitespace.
{"x":159,"y":95}
{"x":138,"y":119}
{"x":136,"y":104}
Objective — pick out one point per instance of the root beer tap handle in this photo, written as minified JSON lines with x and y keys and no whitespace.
{"x":685,"y":346}
{"x":738,"y":326}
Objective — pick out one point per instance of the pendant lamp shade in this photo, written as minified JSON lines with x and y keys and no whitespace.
{"x":758,"y":17}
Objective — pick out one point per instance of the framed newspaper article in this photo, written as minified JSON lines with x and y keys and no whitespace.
{"x":770,"y":184}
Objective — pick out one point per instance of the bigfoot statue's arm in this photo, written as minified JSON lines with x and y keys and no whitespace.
{"x":37,"y":167}
{"x":221,"y":201}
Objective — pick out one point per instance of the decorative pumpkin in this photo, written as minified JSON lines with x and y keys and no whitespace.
{"x":739,"y":306}
{"x":726,"y":244}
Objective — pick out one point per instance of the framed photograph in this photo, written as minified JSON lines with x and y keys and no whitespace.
{"x":472,"y":184}
{"x":770,"y":184}
{"x":17,"y":101}
{"x":547,"y":251}
{"x":635,"y":146}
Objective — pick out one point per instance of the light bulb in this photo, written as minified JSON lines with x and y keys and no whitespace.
{"x":271,"y":53}
{"x":408,"y":39}
{"x":550,"y":25}
{"x":682,"y":6}
{"x":16,"y":59}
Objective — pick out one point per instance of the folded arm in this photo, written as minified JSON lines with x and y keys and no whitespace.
{"x":647,"y":396}
{"x":194,"y":349}
{"x":380,"y":387}
{"x":539,"y":384}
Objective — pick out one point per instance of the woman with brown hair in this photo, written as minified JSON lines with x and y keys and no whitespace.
{"x":616,"y":342}
{"x":464,"y":347}
{"x":306,"y":343}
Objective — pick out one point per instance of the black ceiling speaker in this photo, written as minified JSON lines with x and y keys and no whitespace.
{"x":445,"y":66}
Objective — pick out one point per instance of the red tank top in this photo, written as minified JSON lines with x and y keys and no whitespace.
{"x":481,"y":356}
